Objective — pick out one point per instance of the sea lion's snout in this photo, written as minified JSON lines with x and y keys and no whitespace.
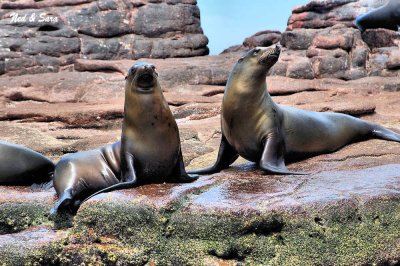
{"x":144,"y":76}
{"x":270,"y":56}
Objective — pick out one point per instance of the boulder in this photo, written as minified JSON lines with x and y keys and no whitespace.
{"x":299,"y":39}
{"x":262,"y":38}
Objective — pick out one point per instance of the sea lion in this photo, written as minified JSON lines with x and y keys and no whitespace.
{"x":386,"y":16}
{"x":149,"y":150}
{"x":22,"y":166}
{"x":259,"y":130}
{"x":79,"y":175}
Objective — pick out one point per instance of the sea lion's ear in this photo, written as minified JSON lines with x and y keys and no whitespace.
{"x":241,"y":59}
{"x":126,"y":77}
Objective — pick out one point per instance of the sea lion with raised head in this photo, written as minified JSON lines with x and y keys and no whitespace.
{"x":256,"y":128}
{"x":149,"y":151}
{"x":22,"y":166}
{"x":386,"y":17}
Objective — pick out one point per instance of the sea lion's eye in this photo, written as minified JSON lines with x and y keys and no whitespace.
{"x":241,"y":59}
{"x":256,"y":51}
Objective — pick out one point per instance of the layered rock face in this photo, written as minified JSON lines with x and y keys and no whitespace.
{"x":48,"y":36}
{"x":327,"y":13}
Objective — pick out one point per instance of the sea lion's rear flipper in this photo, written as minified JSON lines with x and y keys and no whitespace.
{"x":226,"y":156}
{"x":385,"y":134}
{"x":129,"y":179}
{"x":179,"y":173}
{"x":273,"y":157}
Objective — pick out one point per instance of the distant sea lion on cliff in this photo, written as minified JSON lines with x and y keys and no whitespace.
{"x":22,"y":166}
{"x":386,"y":16}
{"x":149,"y":150}
{"x":256,"y":128}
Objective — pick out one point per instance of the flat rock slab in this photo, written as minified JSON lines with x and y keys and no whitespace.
{"x":345,"y":212}
{"x":242,"y":215}
{"x":245,"y":191}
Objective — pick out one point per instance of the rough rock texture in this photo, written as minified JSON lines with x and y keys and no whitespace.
{"x":49,"y":36}
{"x":321,"y":41}
{"x":344,"y":213}
{"x":338,"y":51}
{"x":262,"y":38}
{"x":327,"y":13}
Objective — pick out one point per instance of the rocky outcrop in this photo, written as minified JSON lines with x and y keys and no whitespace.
{"x":49,"y":36}
{"x":321,"y":41}
{"x":327,"y":13}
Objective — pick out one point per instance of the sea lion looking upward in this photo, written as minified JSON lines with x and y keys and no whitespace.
{"x":150,"y":144}
{"x":256,"y":128}
{"x":386,"y":16}
{"x":22,"y":166}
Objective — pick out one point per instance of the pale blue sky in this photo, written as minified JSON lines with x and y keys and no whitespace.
{"x":228,"y":22}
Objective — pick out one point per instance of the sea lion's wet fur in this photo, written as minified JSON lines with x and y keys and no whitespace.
{"x":149,"y":150}
{"x":22,"y":166}
{"x":79,"y":175}
{"x":256,"y":128}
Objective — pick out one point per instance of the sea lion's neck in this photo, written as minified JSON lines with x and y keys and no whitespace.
{"x":247,"y":88}
{"x":143,"y":107}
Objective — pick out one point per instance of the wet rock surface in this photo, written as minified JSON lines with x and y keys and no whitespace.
{"x":346,"y":209}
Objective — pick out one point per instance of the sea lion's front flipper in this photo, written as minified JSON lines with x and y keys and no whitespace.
{"x":129,"y":179}
{"x":179,"y":173}
{"x":65,"y":202}
{"x":273,"y":157}
{"x":226,"y":156}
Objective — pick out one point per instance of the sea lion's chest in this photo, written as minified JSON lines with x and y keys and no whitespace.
{"x":154,"y":144}
{"x":245,"y":128}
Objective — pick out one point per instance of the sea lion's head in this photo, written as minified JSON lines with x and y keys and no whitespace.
{"x":250,"y":71}
{"x":254,"y":65}
{"x":267,"y":57}
{"x":142,"y":78}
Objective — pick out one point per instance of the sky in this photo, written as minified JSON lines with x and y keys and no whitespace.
{"x":229,"y":22}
